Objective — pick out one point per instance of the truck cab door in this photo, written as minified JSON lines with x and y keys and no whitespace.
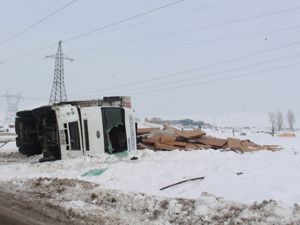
{"x":69,"y":131}
{"x":92,"y":127}
{"x":130,"y":129}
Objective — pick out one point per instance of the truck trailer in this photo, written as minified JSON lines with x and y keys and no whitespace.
{"x":75,"y":128}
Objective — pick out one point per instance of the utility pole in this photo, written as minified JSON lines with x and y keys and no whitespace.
{"x":58,"y":92}
{"x":12,"y":107}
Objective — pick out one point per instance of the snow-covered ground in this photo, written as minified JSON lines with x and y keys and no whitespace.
{"x":71,"y":201}
{"x":242,"y":178}
{"x":266,"y":174}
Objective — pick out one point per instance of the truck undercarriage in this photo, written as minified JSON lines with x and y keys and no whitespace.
{"x":37,"y":132}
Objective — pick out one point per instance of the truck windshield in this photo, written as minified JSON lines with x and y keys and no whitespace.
{"x":115,"y":139}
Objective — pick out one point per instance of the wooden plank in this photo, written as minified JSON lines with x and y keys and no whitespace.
{"x":234,"y":144}
{"x":150,"y":141}
{"x":176,"y":131}
{"x":191,"y":134}
{"x":272,"y":147}
{"x":141,"y":146}
{"x":214,"y":142}
{"x":141,"y":131}
{"x":165,"y":147}
{"x":179,"y":144}
{"x":200,"y":146}
{"x":167,"y":139}
{"x":191,"y":146}
{"x":248,"y":146}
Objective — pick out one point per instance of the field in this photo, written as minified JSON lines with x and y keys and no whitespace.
{"x":253,"y":188}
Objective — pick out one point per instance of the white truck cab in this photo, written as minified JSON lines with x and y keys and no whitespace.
{"x":72,"y":129}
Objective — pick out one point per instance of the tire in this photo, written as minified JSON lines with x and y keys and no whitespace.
{"x":26,"y":152}
{"x":30,"y":149}
{"x":24,"y":113}
{"x":18,"y":142}
{"x":26,"y":120}
{"x":20,"y":150}
{"x":30,"y":152}
{"x":17,"y":125}
{"x":30,"y":146}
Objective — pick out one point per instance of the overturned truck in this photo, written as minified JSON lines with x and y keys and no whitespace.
{"x":71,"y":129}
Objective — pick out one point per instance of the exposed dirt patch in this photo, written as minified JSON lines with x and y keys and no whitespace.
{"x":70,"y":201}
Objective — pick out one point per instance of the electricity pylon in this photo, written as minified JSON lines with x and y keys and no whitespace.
{"x":12,"y":107}
{"x":58,"y":92}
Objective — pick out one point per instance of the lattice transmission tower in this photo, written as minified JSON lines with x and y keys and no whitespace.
{"x":58,"y":92}
{"x":12,"y":107}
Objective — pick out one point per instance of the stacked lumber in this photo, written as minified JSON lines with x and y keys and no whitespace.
{"x":165,"y":140}
{"x":142,"y":131}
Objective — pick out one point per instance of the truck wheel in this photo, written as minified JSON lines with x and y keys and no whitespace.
{"x":17,"y":125}
{"x":20,"y":150}
{"x":18,"y":142}
{"x":30,"y":149}
{"x":24,"y":113}
{"x":30,"y":152}
{"x":26,"y":120}
{"x":30,"y":146}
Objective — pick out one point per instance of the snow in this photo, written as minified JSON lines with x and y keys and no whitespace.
{"x":9,"y":147}
{"x":265,"y":174}
{"x":149,"y":125}
{"x":88,"y":203}
{"x":232,"y":180}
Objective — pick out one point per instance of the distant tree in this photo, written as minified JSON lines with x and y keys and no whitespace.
{"x":290,"y":117}
{"x":279,"y":120}
{"x":156,"y":120}
{"x":186,"y":122}
{"x":199,"y":123}
{"x":272,"y":119}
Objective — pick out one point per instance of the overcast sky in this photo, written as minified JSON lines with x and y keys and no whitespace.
{"x":175,"y":62}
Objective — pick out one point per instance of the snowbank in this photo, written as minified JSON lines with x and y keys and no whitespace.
{"x":87,"y":203}
{"x":253,"y":188}
{"x":244,"y":178}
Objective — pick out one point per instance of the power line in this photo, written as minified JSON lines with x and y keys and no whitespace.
{"x":123,"y":20}
{"x":195,"y":68}
{"x":29,"y":98}
{"x":28,"y":53}
{"x":46,"y":8}
{"x":50,"y":6}
{"x":160,"y":18}
{"x":177,"y":45}
{"x":223,"y":79}
{"x":214,"y":73}
{"x":35,"y":99}
{"x":204,"y":76}
{"x":95,"y":30}
{"x":236,"y":20}
{"x":196,"y":10}
{"x":36,"y":23}
{"x":151,"y":11}
{"x":216,"y":24}
{"x":152,"y":49}
{"x":190,"y":43}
